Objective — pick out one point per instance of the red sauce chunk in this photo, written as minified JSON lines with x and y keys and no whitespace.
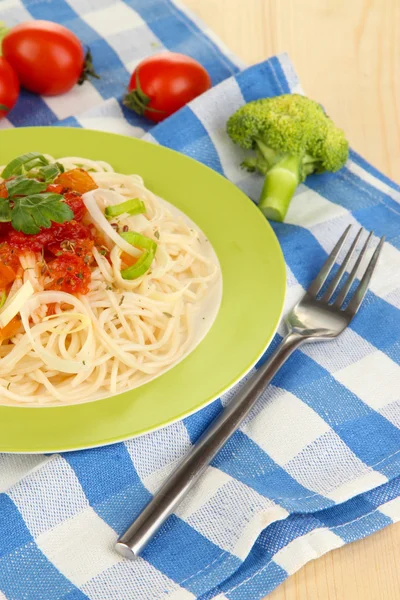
{"x":55,"y":188}
{"x":67,"y":248}
{"x":75,"y":202}
{"x":69,"y":274}
{"x":73,"y":199}
{"x":58,"y":232}
{"x":9,"y":256}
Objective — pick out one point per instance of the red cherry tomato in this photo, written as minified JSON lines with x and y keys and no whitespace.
{"x":162,"y":84}
{"x":9,"y":87}
{"x":47,"y":57}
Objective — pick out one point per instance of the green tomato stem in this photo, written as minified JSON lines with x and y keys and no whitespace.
{"x":87,"y":69}
{"x":137,"y":100}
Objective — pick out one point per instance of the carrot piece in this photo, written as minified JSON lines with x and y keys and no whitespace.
{"x":77,"y":180}
{"x":127,"y":259}
{"x":3,"y":190}
{"x":7,"y":276}
{"x":10,"y":329}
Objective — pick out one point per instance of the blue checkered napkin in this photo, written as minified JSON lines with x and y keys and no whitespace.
{"x":119,"y":34}
{"x":314,"y":466}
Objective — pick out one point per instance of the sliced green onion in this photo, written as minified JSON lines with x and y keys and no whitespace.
{"x":3,"y":297}
{"x":139,"y":241}
{"x":140,"y":267}
{"x":131,"y":207}
{"x":25,"y":162}
{"x":143,"y":264}
{"x":49,"y":172}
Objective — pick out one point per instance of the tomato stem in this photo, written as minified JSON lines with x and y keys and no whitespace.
{"x":3,"y":31}
{"x":137,"y":100}
{"x":88,"y":68}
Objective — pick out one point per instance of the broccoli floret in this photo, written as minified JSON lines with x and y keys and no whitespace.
{"x":292,"y":137}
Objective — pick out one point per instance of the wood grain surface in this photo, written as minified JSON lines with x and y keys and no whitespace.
{"x":347,"y":55}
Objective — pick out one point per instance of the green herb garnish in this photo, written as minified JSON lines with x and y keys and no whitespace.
{"x":139,"y":241}
{"x":23,"y":186}
{"x":143,"y":264}
{"x":5,"y":210}
{"x":130,"y":207}
{"x":49,"y":172}
{"x":30,"y":213}
{"x":28,"y":207}
{"x":24,"y":163}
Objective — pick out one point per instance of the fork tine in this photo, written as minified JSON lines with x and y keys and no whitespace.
{"x":349,"y":281}
{"x":327,"y":266}
{"x":335,"y":282}
{"x":362,"y":288}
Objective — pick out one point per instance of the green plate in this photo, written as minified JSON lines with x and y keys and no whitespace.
{"x":254,"y":287}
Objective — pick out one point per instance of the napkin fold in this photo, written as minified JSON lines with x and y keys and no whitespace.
{"x":316,"y":463}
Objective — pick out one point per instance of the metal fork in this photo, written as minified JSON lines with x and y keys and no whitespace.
{"x":312,"y":319}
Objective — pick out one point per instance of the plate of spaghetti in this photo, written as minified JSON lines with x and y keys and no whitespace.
{"x":136,"y":286}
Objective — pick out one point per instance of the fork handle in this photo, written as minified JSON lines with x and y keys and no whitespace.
{"x":133,"y":541}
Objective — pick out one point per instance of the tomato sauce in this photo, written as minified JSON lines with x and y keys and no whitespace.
{"x":9,"y":256}
{"x":67,"y":248}
{"x":69,"y":274}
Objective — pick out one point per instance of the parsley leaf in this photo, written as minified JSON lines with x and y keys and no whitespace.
{"x":23,"y":186}
{"x":5,"y":210}
{"x":39,"y":210}
{"x":27,"y":207}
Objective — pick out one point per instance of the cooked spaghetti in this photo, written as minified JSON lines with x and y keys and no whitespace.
{"x":103,"y":295}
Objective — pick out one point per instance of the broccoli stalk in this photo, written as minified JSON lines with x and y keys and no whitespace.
{"x":292,"y":138}
{"x":279,"y":186}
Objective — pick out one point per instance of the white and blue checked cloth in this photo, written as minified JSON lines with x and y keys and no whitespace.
{"x":317,"y":463}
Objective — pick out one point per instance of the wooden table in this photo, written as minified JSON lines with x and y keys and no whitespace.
{"x":347,"y":54}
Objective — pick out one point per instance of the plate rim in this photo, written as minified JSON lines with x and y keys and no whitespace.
{"x":187,"y":413}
